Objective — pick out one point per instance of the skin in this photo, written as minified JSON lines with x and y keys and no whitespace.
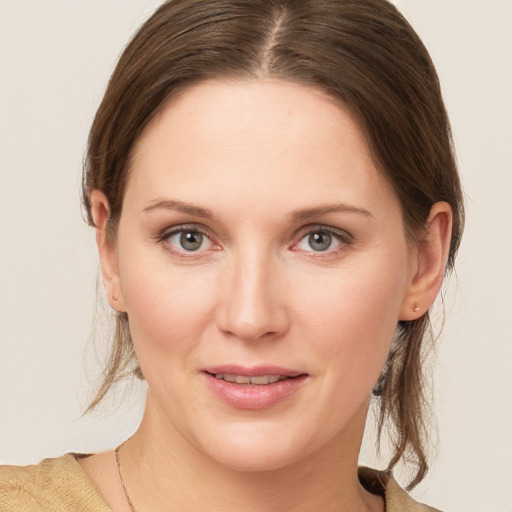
{"x":272,"y":163}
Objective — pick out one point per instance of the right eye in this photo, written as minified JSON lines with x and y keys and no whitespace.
{"x":187,"y":241}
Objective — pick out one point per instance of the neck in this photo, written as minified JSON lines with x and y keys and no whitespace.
{"x":163,"y":471}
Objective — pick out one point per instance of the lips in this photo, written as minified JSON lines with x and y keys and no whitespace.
{"x":253,"y":388}
{"x":261,"y":380}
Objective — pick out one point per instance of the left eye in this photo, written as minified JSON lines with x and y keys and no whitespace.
{"x":189,"y":240}
{"x":319,"y":241}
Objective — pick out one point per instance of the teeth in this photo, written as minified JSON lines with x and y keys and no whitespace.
{"x":264,"y":379}
{"x":242,"y":379}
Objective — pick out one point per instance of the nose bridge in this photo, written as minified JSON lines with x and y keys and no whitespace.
{"x":252,"y":305}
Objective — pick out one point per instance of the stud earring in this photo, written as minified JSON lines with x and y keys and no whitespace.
{"x":115,"y":298}
{"x":416,"y":307}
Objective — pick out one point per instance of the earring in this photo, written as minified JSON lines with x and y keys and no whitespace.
{"x":115,"y":298}
{"x":416,"y":307}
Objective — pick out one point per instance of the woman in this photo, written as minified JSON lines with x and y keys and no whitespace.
{"x":276,"y":203}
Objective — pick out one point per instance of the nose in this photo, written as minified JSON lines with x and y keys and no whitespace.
{"x":253,"y":304}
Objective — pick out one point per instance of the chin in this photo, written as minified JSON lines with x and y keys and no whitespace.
{"x":255,"y":449}
{"x":252,"y":460}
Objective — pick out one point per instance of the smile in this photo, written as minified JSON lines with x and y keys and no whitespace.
{"x":261,"y":380}
{"x":253,"y":388}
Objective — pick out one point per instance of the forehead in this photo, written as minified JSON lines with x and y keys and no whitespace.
{"x":257,"y":139}
{"x":260,"y":107}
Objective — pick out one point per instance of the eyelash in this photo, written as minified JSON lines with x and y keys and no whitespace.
{"x":191,"y":228}
{"x":343,"y":237}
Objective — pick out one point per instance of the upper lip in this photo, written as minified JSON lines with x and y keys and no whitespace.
{"x":252,"y":371}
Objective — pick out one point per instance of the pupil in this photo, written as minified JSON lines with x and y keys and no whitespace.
{"x":320,"y":241}
{"x":191,"y":240}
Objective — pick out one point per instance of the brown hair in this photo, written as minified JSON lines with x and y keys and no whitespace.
{"x":361,"y":52}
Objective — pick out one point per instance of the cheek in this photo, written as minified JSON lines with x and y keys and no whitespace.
{"x":168,"y":307}
{"x":354,"y":315}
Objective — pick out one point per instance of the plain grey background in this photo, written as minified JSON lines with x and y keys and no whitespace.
{"x":55,"y":59}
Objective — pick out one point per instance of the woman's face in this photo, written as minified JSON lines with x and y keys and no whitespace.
{"x":258,"y":243}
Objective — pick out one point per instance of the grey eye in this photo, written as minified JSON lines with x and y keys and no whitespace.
{"x":320,"y":241}
{"x":188,"y":240}
{"x":191,"y":240}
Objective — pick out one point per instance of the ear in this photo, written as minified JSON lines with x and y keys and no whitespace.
{"x":100,"y":211}
{"x":431,"y":256}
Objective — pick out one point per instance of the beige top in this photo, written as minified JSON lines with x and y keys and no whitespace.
{"x":61,"y":485}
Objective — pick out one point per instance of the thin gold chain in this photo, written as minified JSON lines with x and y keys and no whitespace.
{"x":130,"y":502}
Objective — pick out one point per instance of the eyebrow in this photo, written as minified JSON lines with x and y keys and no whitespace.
{"x":297,"y":215}
{"x":179,"y":206}
{"x":309,"y":213}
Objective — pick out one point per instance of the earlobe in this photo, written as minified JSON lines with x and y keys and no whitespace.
{"x":431,"y":258}
{"x":100,"y":211}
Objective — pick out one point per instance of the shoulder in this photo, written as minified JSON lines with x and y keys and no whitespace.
{"x":54,"y":484}
{"x":383,"y":483}
{"x":17,"y":486}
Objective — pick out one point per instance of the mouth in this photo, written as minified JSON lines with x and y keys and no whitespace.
{"x":260,"y":380}
{"x":253,"y":388}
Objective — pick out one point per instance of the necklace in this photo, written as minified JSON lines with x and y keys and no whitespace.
{"x":132,"y":508}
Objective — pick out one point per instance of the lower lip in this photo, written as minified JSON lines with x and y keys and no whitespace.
{"x":253,"y":396}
